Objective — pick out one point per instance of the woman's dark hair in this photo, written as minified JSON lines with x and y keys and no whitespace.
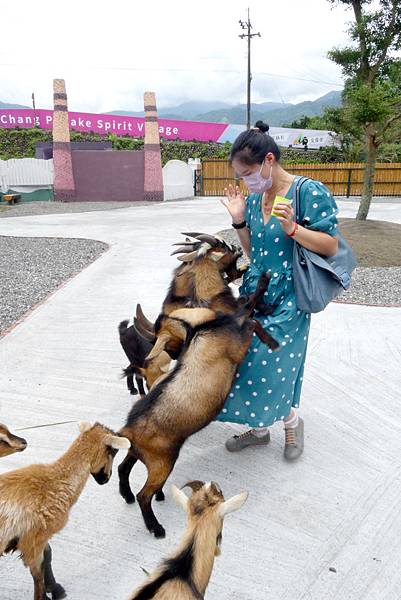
{"x":251,"y":146}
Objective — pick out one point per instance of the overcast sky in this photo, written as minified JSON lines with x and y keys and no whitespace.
{"x":109,"y":53}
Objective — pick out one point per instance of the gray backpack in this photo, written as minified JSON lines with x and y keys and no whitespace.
{"x":319,"y":279}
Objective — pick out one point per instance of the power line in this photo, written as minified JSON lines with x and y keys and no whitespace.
{"x":193,"y":70}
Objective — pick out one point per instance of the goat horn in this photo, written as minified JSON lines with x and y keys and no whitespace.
{"x":186,"y":243}
{"x":145,"y":322}
{"x":194,"y":485}
{"x":183,"y":250}
{"x":191,"y":233}
{"x":148,"y":335}
{"x":210,"y":239}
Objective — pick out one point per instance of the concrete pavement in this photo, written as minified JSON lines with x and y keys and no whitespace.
{"x":337,"y":507}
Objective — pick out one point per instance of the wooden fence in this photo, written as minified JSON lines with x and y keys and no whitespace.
{"x":343,"y":179}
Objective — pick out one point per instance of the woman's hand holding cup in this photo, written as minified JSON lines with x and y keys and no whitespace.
{"x":284,"y":213}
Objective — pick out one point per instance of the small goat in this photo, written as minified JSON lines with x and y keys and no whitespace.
{"x":185,"y":576}
{"x":35,"y":501}
{"x":187,"y":400}
{"x":136,"y":346}
{"x":10,"y":443}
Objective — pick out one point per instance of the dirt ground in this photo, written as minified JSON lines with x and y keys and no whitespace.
{"x":375,"y":243}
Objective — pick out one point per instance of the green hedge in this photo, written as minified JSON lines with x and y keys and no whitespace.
{"x":21,"y":143}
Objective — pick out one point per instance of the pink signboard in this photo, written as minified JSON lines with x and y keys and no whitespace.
{"x":119,"y":125}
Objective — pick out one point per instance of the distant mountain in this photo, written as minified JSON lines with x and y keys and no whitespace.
{"x":274,"y":113}
{"x":237,"y":114}
{"x":4,"y":105}
{"x":186,"y":110}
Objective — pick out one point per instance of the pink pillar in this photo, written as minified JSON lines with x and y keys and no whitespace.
{"x":64,"y":185}
{"x":153,"y":177}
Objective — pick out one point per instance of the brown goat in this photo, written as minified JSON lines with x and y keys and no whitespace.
{"x":187,"y":400}
{"x":202,"y":281}
{"x":186,"y":574}
{"x":10,"y":443}
{"x":35,"y":501}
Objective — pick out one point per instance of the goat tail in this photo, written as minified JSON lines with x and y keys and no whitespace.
{"x":129,"y":371}
{"x":123,"y":326}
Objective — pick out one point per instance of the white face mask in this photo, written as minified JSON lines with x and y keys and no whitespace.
{"x":257,"y":183}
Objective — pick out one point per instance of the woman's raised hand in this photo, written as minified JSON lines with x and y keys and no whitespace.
{"x":234,"y":203}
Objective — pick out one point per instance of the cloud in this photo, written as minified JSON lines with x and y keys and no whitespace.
{"x":110,"y":53}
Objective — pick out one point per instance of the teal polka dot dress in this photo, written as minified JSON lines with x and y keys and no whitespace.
{"x":267,"y":384}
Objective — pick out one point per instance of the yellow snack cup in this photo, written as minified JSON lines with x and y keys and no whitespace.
{"x":277,"y":200}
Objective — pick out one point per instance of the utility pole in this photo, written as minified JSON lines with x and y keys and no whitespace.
{"x":246,"y":25}
{"x":34,"y":109}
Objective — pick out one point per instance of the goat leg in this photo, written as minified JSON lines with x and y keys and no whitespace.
{"x":159,"y":497}
{"x":158,"y":472}
{"x":264,"y":337}
{"x":57,"y":591}
{"x":264,"y":308}
{"x":139,"y":382}
{"x":129,"y":374}
{"x":124,"y":470}
{"x":251,"y":301}
{"x":37,"y":572}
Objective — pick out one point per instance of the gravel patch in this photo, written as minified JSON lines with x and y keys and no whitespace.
{"x":51,"y":208}
{"x":32,"y":268}
{"x":378,"y":286}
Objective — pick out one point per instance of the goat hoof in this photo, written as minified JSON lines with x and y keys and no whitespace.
{"x":160,"y":496}
{"x":159,"y":531}
{"x":134,"y":392}
{"x":58,"y":592}
{"x":129,"y":497}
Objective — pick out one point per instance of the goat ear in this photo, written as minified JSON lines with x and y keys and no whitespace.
{"x":84,"y":426}
{"x":117,"y":442}
{"x":179,"y":496}
{"x":216,"y":256}
{"x":159,"y":346}
{"x":233,"y":504}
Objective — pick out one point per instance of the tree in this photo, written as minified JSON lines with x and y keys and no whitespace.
{"x":372,"y":92}
{"x":306,"y":122}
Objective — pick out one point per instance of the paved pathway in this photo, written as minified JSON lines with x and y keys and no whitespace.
{"x":337,"y":507}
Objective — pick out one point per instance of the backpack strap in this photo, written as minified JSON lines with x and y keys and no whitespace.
{"x":296,"y":196}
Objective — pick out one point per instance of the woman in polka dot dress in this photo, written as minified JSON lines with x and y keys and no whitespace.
{"x":267,"y":387}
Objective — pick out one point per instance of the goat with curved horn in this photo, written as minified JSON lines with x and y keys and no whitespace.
{"x":195,"y":485}
{"x":186,"y":243}
{"x":184,"y":250}
{"x":146,"y":333}
{"x":144,"y":320}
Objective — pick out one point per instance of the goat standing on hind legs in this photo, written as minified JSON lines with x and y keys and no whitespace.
{"x":35,"y":501}
{"x":187,"y":400}
{"x":186,"y":574}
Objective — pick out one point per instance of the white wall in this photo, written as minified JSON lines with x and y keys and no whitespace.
{"x":177,"y":180}
{"x":23,"y":173}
